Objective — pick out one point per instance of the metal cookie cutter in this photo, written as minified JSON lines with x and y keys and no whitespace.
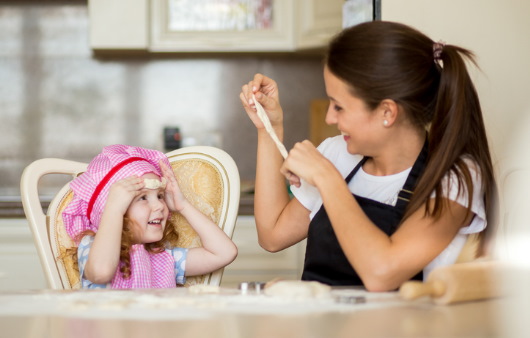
{"x":350,"y":299}
{"x":256,"y":287}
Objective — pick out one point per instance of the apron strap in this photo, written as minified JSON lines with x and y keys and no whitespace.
{"x":405,"y":194}
{"x":359,"y":165}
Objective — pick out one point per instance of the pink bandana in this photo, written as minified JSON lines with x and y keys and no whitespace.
{"x":90,"y":195}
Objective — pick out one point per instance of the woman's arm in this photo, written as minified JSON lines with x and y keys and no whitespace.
{"x":217,"y":249}
{"x":382,"y":262}
{"x":280,"y":223}
{"x":104,"y":255}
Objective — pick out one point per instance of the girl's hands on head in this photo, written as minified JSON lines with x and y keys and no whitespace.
{"x":122,"y":193}
{"x":175,"y":200}
{"x":266,"y":92}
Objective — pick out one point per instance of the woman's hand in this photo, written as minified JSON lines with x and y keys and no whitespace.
{"x":175,"y":200}
{"x":306,"y":163}
{"x":122,"y":193}
{"x":266,"y":92}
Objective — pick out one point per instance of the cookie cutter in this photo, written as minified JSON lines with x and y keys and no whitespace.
{"x":256,"y":287}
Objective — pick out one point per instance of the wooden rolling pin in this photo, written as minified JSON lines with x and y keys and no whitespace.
{"x":458,"y":283}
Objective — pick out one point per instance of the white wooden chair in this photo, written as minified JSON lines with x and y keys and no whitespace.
{"x":207,"y":176}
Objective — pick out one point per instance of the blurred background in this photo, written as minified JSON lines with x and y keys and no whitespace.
{"x":60,"y":99}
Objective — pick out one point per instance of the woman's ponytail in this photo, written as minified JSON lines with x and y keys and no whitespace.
{"x":457,"y":131}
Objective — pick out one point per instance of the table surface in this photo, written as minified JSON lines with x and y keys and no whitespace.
{"x":222,"y":312}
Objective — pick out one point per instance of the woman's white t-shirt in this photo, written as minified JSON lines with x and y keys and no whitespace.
{"x":385,"y":189}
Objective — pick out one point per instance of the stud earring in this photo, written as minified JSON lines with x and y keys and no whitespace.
{"x":385,"y":123}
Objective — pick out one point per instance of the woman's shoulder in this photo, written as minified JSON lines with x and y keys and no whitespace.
{"x":456,"y":190}
{"x":468,"y":163}
{"x":335,"y":149}
{"x":331,"y":144}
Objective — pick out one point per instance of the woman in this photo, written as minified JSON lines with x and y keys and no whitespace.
{"x":409,"y":178}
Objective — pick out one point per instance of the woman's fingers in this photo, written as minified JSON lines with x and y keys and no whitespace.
{"x":247,"y":103}
{"x":292,"y":179}
{"x":304,"y":162}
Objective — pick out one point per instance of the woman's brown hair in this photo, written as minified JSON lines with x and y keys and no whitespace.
{"x":385,"y":60}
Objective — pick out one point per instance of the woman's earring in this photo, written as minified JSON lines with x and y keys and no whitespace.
{"x":385,"y":123}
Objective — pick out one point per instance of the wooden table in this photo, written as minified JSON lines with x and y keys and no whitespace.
{"x":231,"y":314}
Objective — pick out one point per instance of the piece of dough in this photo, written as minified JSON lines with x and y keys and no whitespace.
{"x":268,"y":127}
{"x":298,"y":289}
{"x":152,"y":183}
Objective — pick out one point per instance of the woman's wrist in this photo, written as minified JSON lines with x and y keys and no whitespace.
{"x":329,"y":177}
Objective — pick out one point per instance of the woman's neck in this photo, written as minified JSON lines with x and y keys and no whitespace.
{"x":396,"y":155}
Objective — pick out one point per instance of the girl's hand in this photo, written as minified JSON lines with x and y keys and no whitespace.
{"x":306,"y":163}
{"x":122,"y":193}
{"x":266,"y":92}
{"x":175,"y":200}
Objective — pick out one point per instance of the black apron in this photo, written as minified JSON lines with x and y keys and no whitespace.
{"x":325,"y":261}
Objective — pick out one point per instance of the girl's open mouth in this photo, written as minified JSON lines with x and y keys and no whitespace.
{"x":155,"y":222}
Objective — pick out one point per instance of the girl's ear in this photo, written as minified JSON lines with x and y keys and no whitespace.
{"x":388,"y":112}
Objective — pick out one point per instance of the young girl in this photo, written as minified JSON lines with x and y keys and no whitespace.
{"x":409,"y":179}
{"x":119,"y":216}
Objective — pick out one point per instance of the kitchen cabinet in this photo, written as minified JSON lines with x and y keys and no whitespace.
{"x":118,"y":24}
{"x":254,"y":264}
{"x":152,"y":25}
{"x":19,"y":262}
{"x":20,"y":266}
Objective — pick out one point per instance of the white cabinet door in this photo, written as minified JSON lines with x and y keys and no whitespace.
{"x":317,"y":21}
{"x":154,"y":25}
{"x":254,"y":264}
{"x":118,"y":24}
{"x":20,"y":266}
{"x":164,"y":38}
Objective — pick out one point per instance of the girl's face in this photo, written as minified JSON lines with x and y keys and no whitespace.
{"x":148,"y":214}
{"x":359,"y":125}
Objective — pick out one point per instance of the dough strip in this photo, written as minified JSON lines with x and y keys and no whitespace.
{"x":268,"y":127}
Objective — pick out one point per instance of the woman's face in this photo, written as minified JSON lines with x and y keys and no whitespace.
{"x":148,"y":214}
{"x":359,"y":125}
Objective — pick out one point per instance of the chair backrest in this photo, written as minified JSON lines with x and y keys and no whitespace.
{"x":44,"y":227}
{"x":207,"y":176}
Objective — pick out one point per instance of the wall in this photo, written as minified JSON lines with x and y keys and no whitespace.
{"x":497,"y":31}
{"x":59,"y":100}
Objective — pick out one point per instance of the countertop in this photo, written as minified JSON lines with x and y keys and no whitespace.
{"x":228,"y":313}
{"x":11,"y":206}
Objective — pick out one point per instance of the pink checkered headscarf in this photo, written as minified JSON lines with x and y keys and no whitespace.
{"x":91,"y":190}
